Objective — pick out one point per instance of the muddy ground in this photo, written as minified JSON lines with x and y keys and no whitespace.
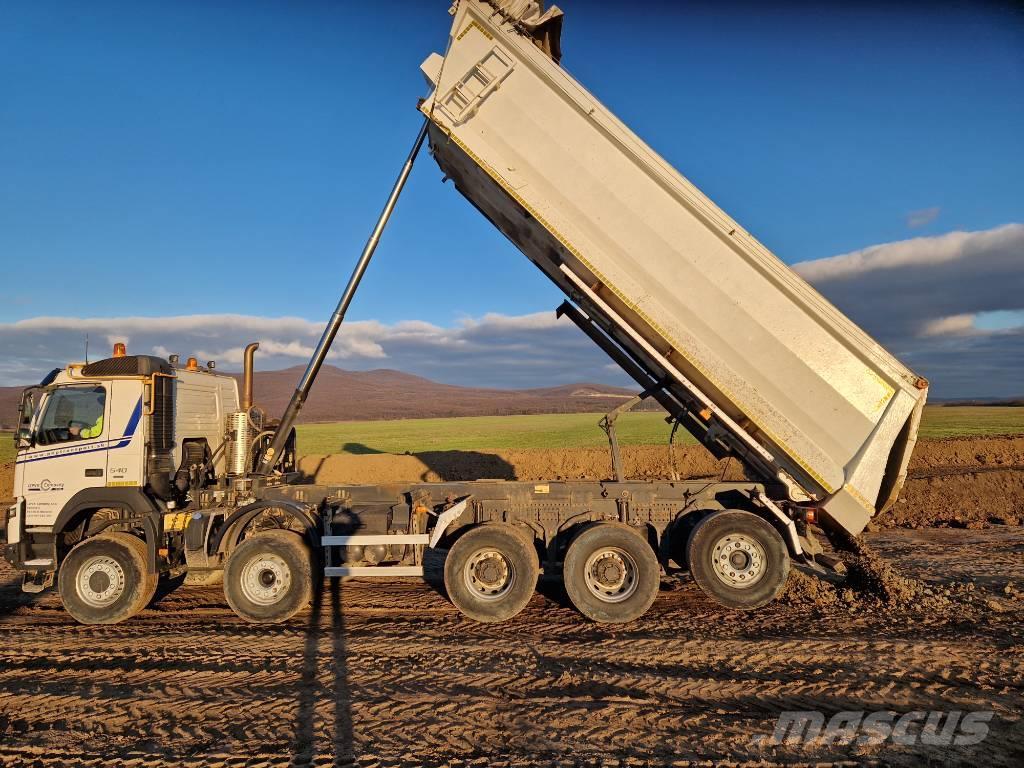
{"x":390,"y":674}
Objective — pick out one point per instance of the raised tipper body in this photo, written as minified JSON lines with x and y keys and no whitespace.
{"x":745,"y":353}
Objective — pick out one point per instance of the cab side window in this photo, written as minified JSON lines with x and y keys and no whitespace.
{"x":72,"y":413}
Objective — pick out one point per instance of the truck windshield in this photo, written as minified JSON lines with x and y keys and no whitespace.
{"x":72,"y":413}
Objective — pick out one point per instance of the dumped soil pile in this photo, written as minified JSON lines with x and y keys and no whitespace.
{"x":960,"y":482}
{"x":873,"y":583}
{"x":807,"y":589}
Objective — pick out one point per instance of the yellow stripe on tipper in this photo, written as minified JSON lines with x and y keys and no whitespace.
{"x":856,"y":496}
{"x":886,"y":389}
{"x":474,"y":24}
{"x":121,"y":483}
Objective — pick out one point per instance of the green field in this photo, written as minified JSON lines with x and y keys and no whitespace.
{"x":572,"y":430}
{"x":579,"y":430}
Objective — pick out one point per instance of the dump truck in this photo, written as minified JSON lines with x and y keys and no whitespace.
{"x":133,"y":467}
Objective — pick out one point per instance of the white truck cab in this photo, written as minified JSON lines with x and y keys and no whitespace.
{"x":116,"y":439}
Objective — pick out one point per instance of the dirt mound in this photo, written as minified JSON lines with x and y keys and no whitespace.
{"x":874,"y":583}
{"x":639,"y":462}
{"x":962,"y":452}
{"x":807,"y":589}
{"x":871,"y":577}
{"x":961,"y":482}
{"x":966,"y":499}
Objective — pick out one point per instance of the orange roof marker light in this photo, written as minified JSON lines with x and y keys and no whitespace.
{"x":120,"y":350}
{"x":192,"y":364}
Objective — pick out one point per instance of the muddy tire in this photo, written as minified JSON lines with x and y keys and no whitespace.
{"x":491,"y":571}
{"x":268,"y":578}
{"x":104,"y":579}
{"x":611,"y":574}
{"x":738,"y":559}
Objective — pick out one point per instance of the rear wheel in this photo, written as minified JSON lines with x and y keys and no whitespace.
{"x":491,"y":572}
{"x":269,"y":577}
{"x":739,"y":559}
{"x":104,"y":579}
{"x":611,"y":574}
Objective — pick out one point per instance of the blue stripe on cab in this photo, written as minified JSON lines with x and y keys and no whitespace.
{"x":121,"y":442}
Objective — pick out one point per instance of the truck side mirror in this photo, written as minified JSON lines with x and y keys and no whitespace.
{"x":24,"y":438}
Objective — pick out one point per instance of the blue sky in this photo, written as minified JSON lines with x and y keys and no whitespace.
{"x":185,"y":157}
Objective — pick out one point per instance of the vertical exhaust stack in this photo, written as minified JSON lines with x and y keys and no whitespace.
{"x":239,"y":426}
{"x":247,"y":375}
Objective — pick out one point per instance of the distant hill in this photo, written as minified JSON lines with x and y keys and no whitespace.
{"x":340,"y":395}
{"x":1009,"y":401}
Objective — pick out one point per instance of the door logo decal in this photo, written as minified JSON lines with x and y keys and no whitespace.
{"x":46,"y":485}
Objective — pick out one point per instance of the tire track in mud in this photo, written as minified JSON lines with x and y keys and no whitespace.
{"x":187,"y":683}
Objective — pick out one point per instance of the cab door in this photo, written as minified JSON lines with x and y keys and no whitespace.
{"x":126,"y":451}
{"x":69,"y":454}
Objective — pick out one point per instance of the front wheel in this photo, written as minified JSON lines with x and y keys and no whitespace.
{"x":738,"y":559}
{"x":611,"y":574}
{"x":104,"y":579}
{"x":269,"y":577}
{"x":490,"y":573}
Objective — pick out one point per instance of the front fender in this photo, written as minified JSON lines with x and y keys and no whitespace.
{"x":138,"y":504}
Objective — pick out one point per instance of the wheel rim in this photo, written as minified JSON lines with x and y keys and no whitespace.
{"x":100,"y":581}
{"x":611,"y":574}
{"x":266,"y":579}
{"x":738,"y":560}
{"x":489,"y":574}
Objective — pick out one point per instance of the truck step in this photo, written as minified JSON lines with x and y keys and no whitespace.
{"x":42,"y":562}
{"x":374,"y":570}
{"x":362,"y":540}
{"x":34,"y":582}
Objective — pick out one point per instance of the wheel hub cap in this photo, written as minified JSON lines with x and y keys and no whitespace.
{"x":100,"y":581}
{"x":489,"y":574}
{"x":738,"y":560}
{"x":611,"y":574}
{"x":266,"y":579}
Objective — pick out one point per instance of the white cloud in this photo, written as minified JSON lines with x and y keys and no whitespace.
{"x":956,"y":325}
{"x":494,"y":350}
{"x":951,"y":307}
{"x":1002,"y":246}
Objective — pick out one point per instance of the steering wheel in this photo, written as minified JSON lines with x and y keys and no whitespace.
{"x":56,"y":435}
